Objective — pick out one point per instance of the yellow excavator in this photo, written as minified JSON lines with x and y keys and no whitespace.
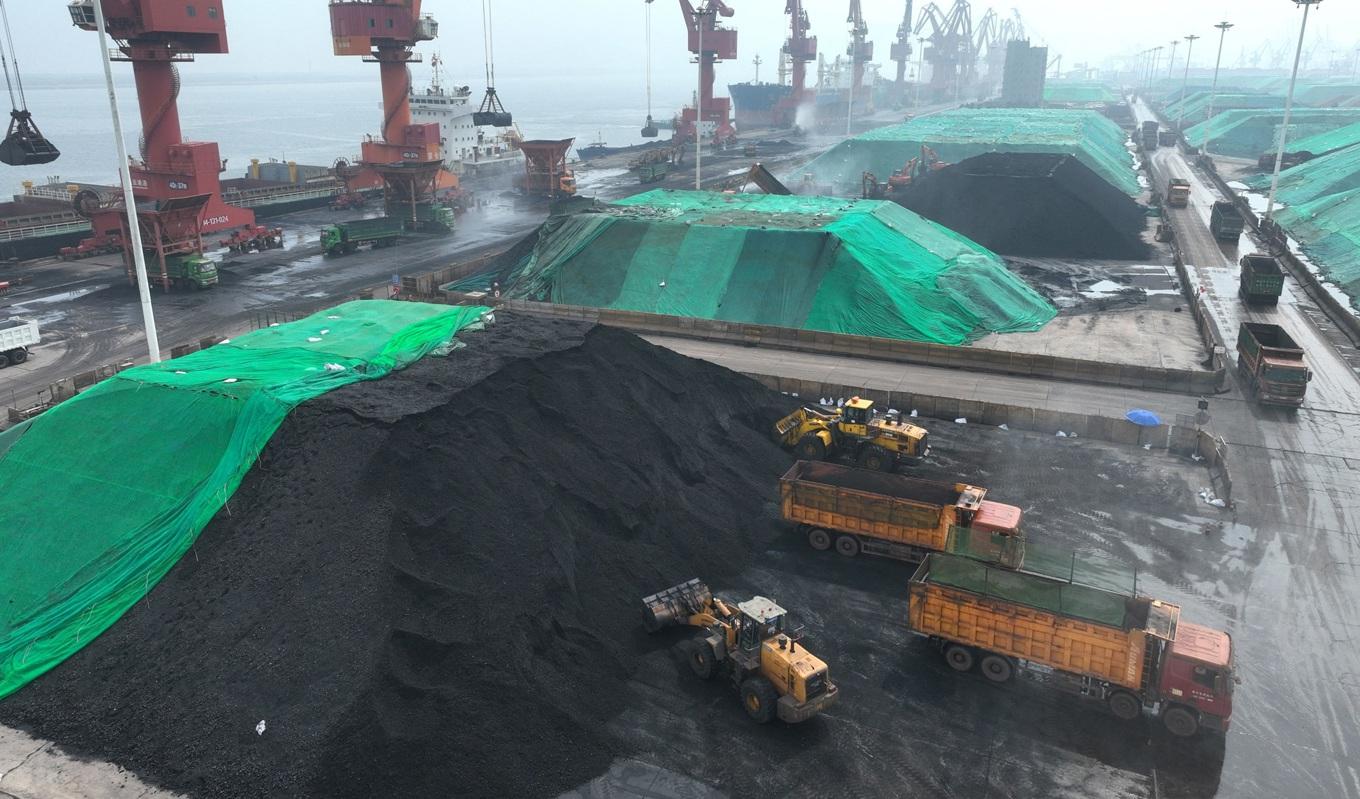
{"x":749,"y":642}
{"x":876,"y":441}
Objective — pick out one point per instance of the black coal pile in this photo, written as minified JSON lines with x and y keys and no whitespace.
{"x":429,"y":585}
{"x":1032,"y":204}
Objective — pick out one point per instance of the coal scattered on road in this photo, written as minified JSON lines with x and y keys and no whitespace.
{"x":429,"y":584}
{"x":1033,"y":204}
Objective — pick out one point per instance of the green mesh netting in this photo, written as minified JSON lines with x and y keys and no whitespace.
{"x":1314,"y":179}
{"x":1247,"y":133}
{"x":1328,"y":231}
{"x":1056,"y":593}
{"x":1196,"y":105}
{"x":1326,"y":142}
{"x":1092,"y":138}
{"x":863,"y":267}
{"x":114,"y":485}
{"x":1055,"y":92}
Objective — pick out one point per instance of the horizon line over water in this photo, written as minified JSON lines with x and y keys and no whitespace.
{"x":310,"y":118}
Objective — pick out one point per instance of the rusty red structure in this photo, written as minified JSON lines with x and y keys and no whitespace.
{"x":546,"y":174}
{"x":710,"y":42}
{"x":406,"y":156}
{"x":801,"y":50}
{"x":173,"y":179}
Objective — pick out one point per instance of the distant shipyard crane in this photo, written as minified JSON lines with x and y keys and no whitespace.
{"x":951,"y":55}
{"x":407,"y":157}
{"x":176,"y":180}
{"x":861,"y":52}
{"x":993,"y":35}
{"x":801,"y":50}
{"x":710,"y":42}
{"x":901,"y":53}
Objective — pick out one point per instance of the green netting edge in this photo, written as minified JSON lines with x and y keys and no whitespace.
{"x":265,"y":367}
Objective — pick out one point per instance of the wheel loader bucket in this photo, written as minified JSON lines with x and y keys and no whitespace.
{"x":673,"y":606}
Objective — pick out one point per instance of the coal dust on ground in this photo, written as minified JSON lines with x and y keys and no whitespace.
{"x":429,"y":586}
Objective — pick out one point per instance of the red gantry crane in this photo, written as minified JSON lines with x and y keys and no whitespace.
{"x":407,"y":156}
{"x":801,"y":49}
{"x":175,"y":182}
{"x":711,"y":43}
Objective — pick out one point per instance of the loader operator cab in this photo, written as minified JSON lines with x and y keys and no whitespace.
{"x":856,"y":415}
{"x":761,"y":620}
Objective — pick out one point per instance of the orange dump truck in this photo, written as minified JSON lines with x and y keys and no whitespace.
{"x":892,"y":515}
{"x":1129,"y":652}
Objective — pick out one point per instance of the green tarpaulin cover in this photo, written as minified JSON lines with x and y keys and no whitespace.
{"x":954,"y":135}
{"x":106,"y":491}
{"x":863,"y":267}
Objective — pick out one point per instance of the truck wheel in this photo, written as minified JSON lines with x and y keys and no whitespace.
{"x":847,"y":545}
{"x":997,"y":668}
{"x":819,"y":539}
{"x":1180,"y":722}
{"x":959,"y":658}
{"x":759,"y":698}
{"x":701,"y":659}
{"x":17,"y":356}
{"x":811,"y":448}
{"x":876,"y":459}
{"x":1125,"y":705}
{"x":4,"y":360}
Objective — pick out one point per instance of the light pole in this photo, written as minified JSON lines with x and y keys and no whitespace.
{"x":1156,"y":63}
{"x":1355,"y":70}
{"x":920,"y":68}
{"x":1288,"y":109}
{"x":153,"y":344}
{"x":699,"y":102}
{"x":1171,"y":63}
{"x":1185,"y":83}
{"x":1213,"y":92}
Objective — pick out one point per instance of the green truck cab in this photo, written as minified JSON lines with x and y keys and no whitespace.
{"x":192,"y":271}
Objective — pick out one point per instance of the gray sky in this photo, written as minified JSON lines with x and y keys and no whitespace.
{"x":587,"y":37}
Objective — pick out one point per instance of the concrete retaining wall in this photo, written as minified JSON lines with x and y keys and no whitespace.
{"x":940,"y":355}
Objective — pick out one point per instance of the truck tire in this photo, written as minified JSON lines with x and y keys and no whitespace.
{"x":4,"y":359}
{"x":876,"y":459}
{"x":17,"y":356}
{"x":819,"y":539}
{"x":1180,"y":722}
{"x":997,"y":668}
{"x":760,"y":699}
{"x":959,"y":657}
{"x":701,"y":659}
{"x":811,"y":448}
{"x":847,"y":545}
{"x":1125,"y":705}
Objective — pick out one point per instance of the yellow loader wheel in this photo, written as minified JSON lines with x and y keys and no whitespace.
{"x":700,"y":657}
{"x":811,"y":448}
{"x":876,"y":459}
{"x":760,"y":699}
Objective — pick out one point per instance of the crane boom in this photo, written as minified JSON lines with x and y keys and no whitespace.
{"x":901,"y":49}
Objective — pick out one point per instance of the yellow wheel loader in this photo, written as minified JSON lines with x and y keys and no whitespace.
{"x":876,"y":441}
{"x":747,"y":642}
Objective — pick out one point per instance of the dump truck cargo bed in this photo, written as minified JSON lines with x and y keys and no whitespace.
{"x":913,"y":516}
{"x":1055,"y":623}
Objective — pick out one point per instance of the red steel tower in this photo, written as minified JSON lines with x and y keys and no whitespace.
{"x":175,"y":182}
{"x":408,"y":156}
{"x":711,"y":43}
{"x":801,"y":49}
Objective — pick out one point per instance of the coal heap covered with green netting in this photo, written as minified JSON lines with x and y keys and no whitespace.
{"x":862,"y":267}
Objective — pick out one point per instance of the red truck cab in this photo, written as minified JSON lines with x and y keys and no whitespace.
{"x":1197,"y":674}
